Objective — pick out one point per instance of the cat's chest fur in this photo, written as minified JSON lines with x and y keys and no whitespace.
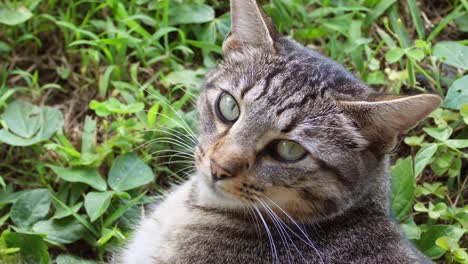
{"x":176,"y":232}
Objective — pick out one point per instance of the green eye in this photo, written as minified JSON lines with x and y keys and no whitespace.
{"x":289,"y":150}
{"x":227,"y":107}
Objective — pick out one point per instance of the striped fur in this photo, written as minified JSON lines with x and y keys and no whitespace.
{"x":330,"y":207}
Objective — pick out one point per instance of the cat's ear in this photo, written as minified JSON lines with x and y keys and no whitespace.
{"x":384,"y":118}
{"x":249,"y":26}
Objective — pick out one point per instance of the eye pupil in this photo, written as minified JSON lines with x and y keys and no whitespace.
{"x":289,"y":150}
{"x":227,"y":107}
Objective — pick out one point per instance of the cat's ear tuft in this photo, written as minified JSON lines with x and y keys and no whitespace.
{"x":249,"y":26}
{"x":384,"y":118}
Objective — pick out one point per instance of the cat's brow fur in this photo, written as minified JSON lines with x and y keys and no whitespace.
{"x":330,"y":207}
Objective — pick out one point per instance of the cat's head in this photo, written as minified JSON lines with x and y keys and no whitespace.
{"x":286,"y":126}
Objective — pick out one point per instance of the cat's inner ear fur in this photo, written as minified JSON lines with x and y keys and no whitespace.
{"x":382,"y":119}
{"x":249,"y":26}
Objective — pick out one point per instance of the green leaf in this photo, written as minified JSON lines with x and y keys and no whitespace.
{"x":33,"y":249}
{"x":411,"y":230}
{"x":457,"y":143}
{"x":69,"y":259}
{"x":114,"y":106}
{"x":436,"y":210}
{"x":464,"y":112}
{"x":441,"y":134}
{"x":184,"y":13}
{"x":403,"y":187}
{"x":452,"y":53}
{"x":416,"y":17}
{"x":96,"y":204}
{"x":88,"y":139}
{"x":394,"y":55}
{"x":104,"y":80}
{"x":121,"y":210}
{"x":21,"y":118}
{"x":447,"y":243}
{"x":31,"y":207}
{"x":427,"y":242}
{"x":61,"y":212}
{"x":416,"y":54}
{"x":89,"y":176}
{"x":129,"y":172}
{"x":414,"y":141}
{"x":13,"y":17}
{"x":420,"y":207}
{"x":78,"y":217}
{"x":28,"y":124}
{"x":60,"y":231}
{"x":457,"y":94}
{"x":423,"y":157}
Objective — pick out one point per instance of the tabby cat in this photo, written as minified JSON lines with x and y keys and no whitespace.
{"x":292,"y":162}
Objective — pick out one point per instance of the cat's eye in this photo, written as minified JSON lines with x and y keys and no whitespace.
{"x":289,"y":150}
{"x":227,"y":107}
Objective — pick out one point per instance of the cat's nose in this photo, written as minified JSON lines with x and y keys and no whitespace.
{"x":222,"y":169}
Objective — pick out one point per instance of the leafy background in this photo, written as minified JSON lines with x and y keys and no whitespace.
{"x":97,"y":111}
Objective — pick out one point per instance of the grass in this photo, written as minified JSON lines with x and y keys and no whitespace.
{"x":92,"y":91}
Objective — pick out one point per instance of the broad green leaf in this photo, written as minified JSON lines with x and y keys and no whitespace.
{"x":61,"y":212}
{"x":403,"y":187}
{"x":427,"y":242}
{"x":423,"y":157}
{"x":96,"y":204}
{"x":28,"y":124}
{"x":455,"y":167}
{"x":394,"y":55}
{"x":447,"y":243}
{"x":441,"y":134}
{"x":464,"y":112}
{"x":414,"y":141}
{"x":114,"y":106}
{"x":184,"y":13}
{"x":69,"y":259}
{"x":129,"y":172}
{"x":435,"y":188}
{"x":457,"y":143}
{"x":420,"y":207}
{"x":31,"y":207}
{"x":436,"y":210}
{"x":411,"y":230}
{"x":415,"y":54}
{"x":33,"y":249}
{"x":21,"y":118}
{"x":89,"y":176}
{"x":60,"y":231}
{"x":13,"y":17}
{"x":452,"y":53}
{"x":188,"y":78}
{"x":8,"y":196}
{"x":457,"y":94}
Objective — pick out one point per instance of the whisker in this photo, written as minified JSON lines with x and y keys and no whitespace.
{"x":164,"y":100}
{"x":176,"y":135}
{"x":278,"y":228}
{"x":164,"y":140}
{"x":286,"y":229}
{"x":310,"y":243}
{"x":270,"y":237}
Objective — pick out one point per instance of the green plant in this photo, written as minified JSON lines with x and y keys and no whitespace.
{"x":95,"y":92}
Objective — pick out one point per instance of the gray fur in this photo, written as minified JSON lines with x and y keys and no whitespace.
{"x":337,"y":198}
